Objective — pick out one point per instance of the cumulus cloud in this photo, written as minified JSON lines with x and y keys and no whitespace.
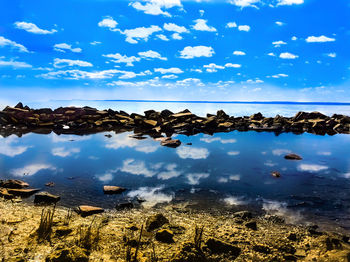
{"x":32,"y":28}
{"x":63,"y":47}
{"x":245,"y":28}
{"x":279,"y":43}
{"x":239,"y":53}
{"x":150,"y":54}
{"x":319,"y":39}
{"x":173,"y":70}
{"x":175,"y":28}
{"x":155,"y":7}
{"x":152,"y":196}
{"x":162,"y":37}
{"x":186,"y":152}
{"x":194,"y":178}
{"x":8,"y":148}
{"x":108,"y":22}
{"x":190,"y":52}
{"x":123,"y":141}
{"x":233,"y":153}
{"x":279,"y":152}
{"x":279,"y":23}
{"x":287,"y":55}
{"x":31,"y":169}
{"x":176,"y":36}
{"x":14,"y":64}
{"x":312,"y":167}
{"x":63,"y":152}
{"x":134,"y":167}
{"x":231,"y":25}
{"x":244,"y":3}
{"x":201,"y":25}
{"x":290,"y":2}
{"x":212,"y":68}
{"x":7,"y":42}
{"x":118,"y":58}
{"x":333,"y":55}
{"x":139,"y":33}
{"x":279,"y":76}
{"x":60,"y":63}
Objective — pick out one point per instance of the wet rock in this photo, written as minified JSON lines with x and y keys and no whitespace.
{"x":293,"y":157}
{"x":68,"y":254}
{"x":156,"y":221}
{"x":276,"y":174}
{"x":262,"y":249}
{"x":245,"y":215}
{"x":46,"y":198}
{"x":110,"y":190}
{"x":13,"y":183}
{"x":5,"y":194}
{"x":219,"y":247}
{"x":251,"y":225}
{"x":189,"y":253}
{"x":165,"y":236}
{"x":84,"y":210}
{"x":23,"y":192}
{"x":124,"y":205}
{"x":300,"y":253}
{"x":63,"y":231}
{"x":257,"y":116}
{"x":50,"y":184}
{"x":292,"y":236}
{"x":171,"y":143}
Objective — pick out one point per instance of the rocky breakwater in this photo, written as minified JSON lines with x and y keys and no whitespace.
{"x":86,"y":120}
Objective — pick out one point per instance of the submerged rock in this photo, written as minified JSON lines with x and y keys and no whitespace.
{"x":293,"y":157}
{"x":124,"y":205}
{"x":46,"y":198}
{"x":89,"y":210}
{"x":68,"y":254}
{"x":165,"y":236}
{"x":113,"y":190}
{"x":23,"y":192}
{"x":251,"y":225}
{"x":276,"y":174}
{"x":219,"y":247}
{"x":156,"y":221}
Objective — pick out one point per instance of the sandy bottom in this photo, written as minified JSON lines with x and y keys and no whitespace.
{"x":116,"y":236}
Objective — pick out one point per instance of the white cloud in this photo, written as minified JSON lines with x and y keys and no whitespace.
{"x":294,"y":38}
{"x":279,"y":23}
{"x":95,"y":43}
{"x":279,"y":43}
{"x":154,"y":7}
{"x":319,"y":39}
{"x":151,"y":55}
{"x":279,"y":76}
{"x":193,"y":178}
{"x":139,"y":33}
{"x":134,"y":167}
{"x":170,"y":172}
{"x":210,"y":139}
{"x":201,"y":25}
{"x":287,"y":55}
{"x":271,"y":54}
{"x":60,"y":63}
{"x":8,"y":149}
{"x":211,"y":68}
{"x":31,"y":169}
{"x":290,"y":2}
{"x":32,"y":28}
{"x":12,"y":44}
{"x":279,"y":152}
{"x":118,"y":58}
{"x":123,"y":141}
{"x":239,"y":53}
{"x":152,"y":196}
{"x":190,"y":52}
{"x":244,"y":3}
{"x":186,"y":152}
{"x":333,"y":55}
{"x":175,"y":28}
{"x":108,"y":22}
{"x":233,"y":153}
{"x":233,"y":65}
{"x":231,"y":24}
{"x":162,"y":37}
{"x":312,"y":167}
{"x":107,"y":177}
{"x":62,"y":152}
{"x":176,"y":36}
{"x":170,"y":77}
{"x":14,"y":64}
{"x":245,"y":28}
{"x":64,"y":47}
{"x":173,"y":70}
{"x":234,"y":201}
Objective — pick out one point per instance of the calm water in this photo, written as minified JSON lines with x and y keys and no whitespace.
{"x":228,"y":170}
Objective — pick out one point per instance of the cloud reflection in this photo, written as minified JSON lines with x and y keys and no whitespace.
{"x":31,"y":169}
{"x":8,"y":149}
{"x":185,"y":152}
{"x":152,"y":196}
{"x":312,"y":167}
{"x":123,"y":141}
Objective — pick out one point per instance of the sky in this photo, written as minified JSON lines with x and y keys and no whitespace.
{"x":222,"y":50}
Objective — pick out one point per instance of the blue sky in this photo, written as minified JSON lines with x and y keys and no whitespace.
{"x":295,"y":50}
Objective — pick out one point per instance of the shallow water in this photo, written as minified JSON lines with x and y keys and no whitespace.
{"x":229,"y":170}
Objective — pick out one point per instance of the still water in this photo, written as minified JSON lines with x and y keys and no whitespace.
{"x":226,"y":170}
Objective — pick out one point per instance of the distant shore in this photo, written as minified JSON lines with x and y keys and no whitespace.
{"x":87,"y":120}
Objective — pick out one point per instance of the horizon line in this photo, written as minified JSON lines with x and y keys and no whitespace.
{"x":211,"y":102}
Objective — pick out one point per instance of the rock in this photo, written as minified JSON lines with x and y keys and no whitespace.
{"x":63,"y":231}
{"x":262,"y":249}
{"x":219,"y":247}
{"x":171,"y":143}
{"x":189,"y":253}
{"x":50,"y":184}
{"x":292,"y":236}
{"x":156,"y":221}
{"x":293,"y":157}
{"x":19,"y":105}
{"x":245,"y":215}
{"x":13,"y":183}
{"x":300,"y":253}
{"x":182,"y":115}
{"x":257,"y":116}
{"x":251,"y":225}
{"x":113,"y":190}
{"x":89,"y":210}
{"x":68,"y":254}
{"x":5,"y":194}
{"x":124,"y":205}
{"x":45,"y":197}
{"x":23,"y":192}
{"x":165,"y":236}
{"x":275,"y":174}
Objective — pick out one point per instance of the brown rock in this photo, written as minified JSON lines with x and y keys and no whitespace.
{"x":23,"y":192}
{"x":275,"y":174}
{"x":13,"y":183}
{"x":293,"y":157}
{"x":5,"y":194}
{"x":84,"y":210}
{"x":171,"y":143}
{"x":219,"y":247}
{"x":165,"y":236}
{"x":45,"y":197}
{"x":113,"y":189}
{"x":156,"y":221}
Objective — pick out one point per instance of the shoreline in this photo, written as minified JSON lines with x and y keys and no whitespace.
{"x":238,"y":236}
{"x":21,"y":119}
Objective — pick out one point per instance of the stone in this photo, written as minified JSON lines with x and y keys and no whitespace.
{"x":156,"y":221}
{"x":13,"y":183}
{"x":124,"y":205}
{"x":5,"y":194}
{"x":276,"y":174}
{"x":262,"y":249}
{"x":113,"y":190}
{"x":257,"y":116}
{"x":251,"y":225}
{"x":165,"y":236}
{"x":219,"y":247}
{"x":85,"y":210}
{"x":46,"y":198}
{"x":245,"y":215}
{"x":50,"y":184}
{"x":23,"y":192}
{"x":293,"y":157}
{"x":68,"y":254}
{"x":63,"y":231}
{"x":171,"y":143}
